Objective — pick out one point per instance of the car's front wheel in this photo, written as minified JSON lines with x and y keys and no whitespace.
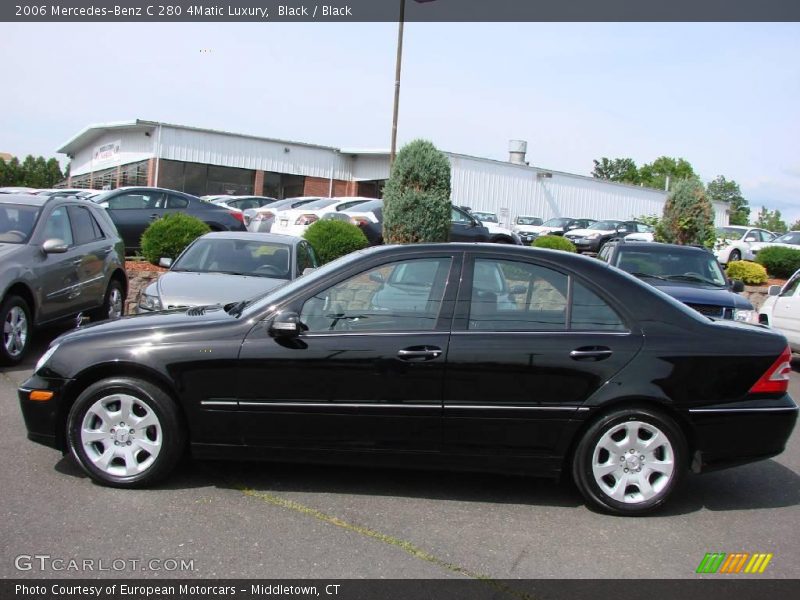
{"x":15,"y":317}
{"x":125,"y":432}
{"x":630,"y":461}
{"x":734,"y":255}
{"x":113,"y":306}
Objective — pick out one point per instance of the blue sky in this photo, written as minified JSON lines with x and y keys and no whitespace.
{"x":724,"y":96}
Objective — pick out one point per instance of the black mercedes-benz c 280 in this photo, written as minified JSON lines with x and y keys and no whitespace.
{"x":454,"y":356}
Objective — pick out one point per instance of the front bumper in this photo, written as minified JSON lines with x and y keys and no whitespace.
{"x":43,"y":418}
{"x":585,"y":245}
{"x":742,"y":432}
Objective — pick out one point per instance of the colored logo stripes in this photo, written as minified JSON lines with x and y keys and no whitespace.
{"x":736,"y":562}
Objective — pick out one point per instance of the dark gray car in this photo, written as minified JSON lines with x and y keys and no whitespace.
{"x":59,"y":257}
{"x":225,"y":267}
{"x":133,"y":209}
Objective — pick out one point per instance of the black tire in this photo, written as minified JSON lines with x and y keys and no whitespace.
{"x":638,"y":496}
{"x":16,"y":329}
{"x":734,"y":255}
{"x":128,"y":463}
{"x":502,"y":240}
{"x":114,"y":291}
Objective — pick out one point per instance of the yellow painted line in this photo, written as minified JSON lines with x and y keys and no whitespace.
{"x":405,"y":546}
{"x":767,"y":558}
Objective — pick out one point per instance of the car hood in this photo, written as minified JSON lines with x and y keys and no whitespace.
{"x":701,"y":294}
{"x":495,"y":228}
{"x":178,"y":289}
{"x":535,"y":228}
{"x":8,"y":250}
{"x":585,"y":232}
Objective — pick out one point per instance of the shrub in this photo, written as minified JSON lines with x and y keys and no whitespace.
{"x":688,"y":216}
{"x":417,"y":196}
{"x":168,"y":236}
{"x":749,"y":272}
{"x":778,"y":261}
{"x":554,"y":242}
{"x":332,"y":239}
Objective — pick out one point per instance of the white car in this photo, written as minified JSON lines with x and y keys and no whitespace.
{"x":781,"y":310}
{"x":485,"y":216}
{"x":734,"y":242}
{"x":787,"y":240}
{"x":295,"y":221}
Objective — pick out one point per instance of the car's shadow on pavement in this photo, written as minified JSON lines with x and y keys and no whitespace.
{"x":763,"y":485}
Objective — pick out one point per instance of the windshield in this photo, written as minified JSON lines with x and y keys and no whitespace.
{"x":485,"y":216}
{"x":529,"y":221}
{"x":604,"y":225}
{"x":236,"y":257}
{"x":793,"y":237}
{"x":16,"y":222}
{"x":366,"y":206}
{"x":700,"y":267}
{"x":556,"y":222}
{"x":730,"y":233}
{"x":321,"y":203}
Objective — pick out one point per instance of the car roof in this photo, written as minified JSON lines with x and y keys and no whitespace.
{"x":656,"y":247}
{"x":277,"y":238}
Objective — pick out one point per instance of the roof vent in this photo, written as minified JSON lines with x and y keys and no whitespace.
{"x":516,"y":152}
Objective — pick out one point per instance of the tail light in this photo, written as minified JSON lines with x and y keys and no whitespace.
{"x":306,"y":219}
{"x":237,"y":215}
{"x":263,"y":216}
{"x":776,"y":379}
{"x":360,"y":221}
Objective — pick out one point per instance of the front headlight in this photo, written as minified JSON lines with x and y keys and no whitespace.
{"x":747,"y":316}
{"x":45,"y":357}
{"x":592,"y":236}
{"x":149,"y":302}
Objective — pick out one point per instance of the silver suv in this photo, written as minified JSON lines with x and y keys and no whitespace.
{"x":59,"y":257}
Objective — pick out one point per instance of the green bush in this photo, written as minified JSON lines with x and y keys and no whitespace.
{"x":688,"y":216}
{"x":332,"y":239}
{"x":749,"y":272}
{"x":779,"y":262}
{"x":554,"y":242}
{"x":417,"y":196}
{"x":168,"y":236}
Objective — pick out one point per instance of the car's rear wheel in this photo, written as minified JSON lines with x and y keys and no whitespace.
{"x":734,"y":255}
{"x":125,"y":432}
{"x":113,"y":303}
{"x":15,"y":335}
{"x":630,"y":461}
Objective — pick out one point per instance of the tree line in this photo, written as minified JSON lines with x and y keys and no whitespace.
{"x":666,"y":168}
{"x":32,"y":172}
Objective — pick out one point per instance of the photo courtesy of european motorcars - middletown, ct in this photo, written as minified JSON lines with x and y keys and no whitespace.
{"x":390,"y":356}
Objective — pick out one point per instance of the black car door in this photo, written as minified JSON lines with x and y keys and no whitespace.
{"x":464,"y":228}
{"x":530,"y":343}
{"x":133,"y":211}
{"x":368,"y":370}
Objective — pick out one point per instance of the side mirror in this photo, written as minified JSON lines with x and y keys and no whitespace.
{"x":376,"y":277}
{"x":165,"y":262}
{"x":308,"y":270}
{"x":285,"y":324}
{"x":774,"y":290}
{"x":55,"y":246}
{"x":737,"y":285}
{"x":517,"y":289}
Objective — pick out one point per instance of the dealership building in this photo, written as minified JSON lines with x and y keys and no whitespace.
{"x":208,"y":162}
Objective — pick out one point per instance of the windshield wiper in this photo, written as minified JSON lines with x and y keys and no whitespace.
{"x":235,"y":309}
{"x":637,"y":274}
{"x":694,"y":278}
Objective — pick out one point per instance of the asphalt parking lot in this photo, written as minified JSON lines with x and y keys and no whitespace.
{"x":265,"y":520}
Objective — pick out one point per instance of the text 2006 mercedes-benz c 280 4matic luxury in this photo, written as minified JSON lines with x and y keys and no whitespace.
{"x":456,"y":356}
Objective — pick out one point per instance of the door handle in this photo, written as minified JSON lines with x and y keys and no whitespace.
{"x":77,"y":262}
{"x":419,"y":352}
{"x":594,"y":353}
{"x":154,"y":216}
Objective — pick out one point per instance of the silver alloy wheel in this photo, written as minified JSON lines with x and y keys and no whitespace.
{"x":114,"y":303}
{"x":121,"y":435}
{"x":15,"y":331}
{"x":633,"y":462}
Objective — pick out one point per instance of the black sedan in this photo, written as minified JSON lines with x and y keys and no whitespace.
{"x":454,"y":356}
{"x":133,"y":209}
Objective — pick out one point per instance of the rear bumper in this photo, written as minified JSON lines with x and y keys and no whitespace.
{"x":42,"y":418}
{"x":742,"y":432}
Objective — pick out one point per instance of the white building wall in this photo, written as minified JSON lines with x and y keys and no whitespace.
{"x":252,"y":153}
{"x":134,"y":146}
{"x":368,"y":167}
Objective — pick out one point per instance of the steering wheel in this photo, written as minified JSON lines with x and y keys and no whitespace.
{"x":269,"y":270}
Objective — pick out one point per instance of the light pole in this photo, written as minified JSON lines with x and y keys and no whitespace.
{"x":398,"y":64}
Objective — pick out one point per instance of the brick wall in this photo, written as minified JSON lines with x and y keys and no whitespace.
{"x":318,"y":186}
{"x":258,"y":183}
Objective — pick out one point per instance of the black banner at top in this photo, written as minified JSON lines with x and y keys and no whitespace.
{"x":332,"y":11}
